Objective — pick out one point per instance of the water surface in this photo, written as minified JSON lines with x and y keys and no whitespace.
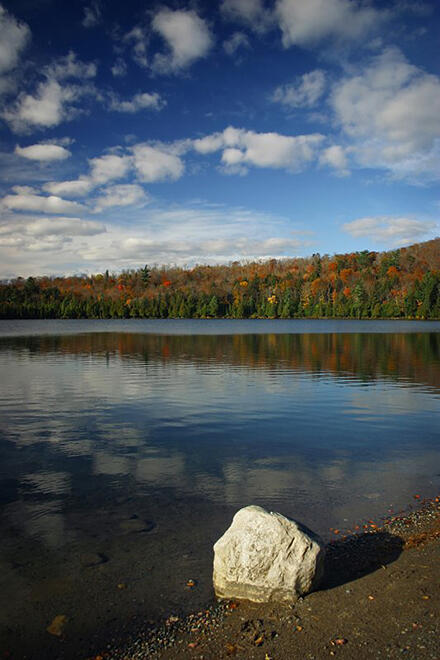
{"x":127,"y":446}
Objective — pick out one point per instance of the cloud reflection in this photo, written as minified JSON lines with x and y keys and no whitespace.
{"x":297,"y":423}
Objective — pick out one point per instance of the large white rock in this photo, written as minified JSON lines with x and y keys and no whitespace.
{"x":266,"y":557}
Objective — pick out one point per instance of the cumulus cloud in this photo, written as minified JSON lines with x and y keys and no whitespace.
{"x":156,"y":163}
{"x":108,"y":167}
{"x":249,"y":12}
{"x":76,"y":188}
{"x":69,"y":66}
{"x":138,"y":39}
{"x":24,"y":199}
{"x":390,"y":110}
{"x":53,"y":100}
{"x":241,"y":148}
{"x":92,"y":15}
{"x":119,"y":68}
{"x":44,"y":152}
{"x":120,"y":195}
{"x":305,"y":92}
{"x":394,"y":231}
{"x":335,"y":157}
{"x":44,"y":108}
{"x":187,"y":36}
{"x":143,"y":101}
{"x":235,"y":42}
{"x":14,"y":37}
{"x":102,"y":169}
{"x":308,"y":23}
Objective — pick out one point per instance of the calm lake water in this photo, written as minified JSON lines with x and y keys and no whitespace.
{"x":127,"y":446}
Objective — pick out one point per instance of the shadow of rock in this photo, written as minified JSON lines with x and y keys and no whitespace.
{"x":357,"y":556}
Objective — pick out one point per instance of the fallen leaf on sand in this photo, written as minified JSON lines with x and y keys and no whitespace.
{"x":57,"y":625}
{"x":339,"y":641}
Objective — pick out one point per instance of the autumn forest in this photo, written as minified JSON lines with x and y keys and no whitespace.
{"x":403,"y":283}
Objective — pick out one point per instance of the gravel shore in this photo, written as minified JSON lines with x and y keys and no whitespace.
{"x":380,"y":598}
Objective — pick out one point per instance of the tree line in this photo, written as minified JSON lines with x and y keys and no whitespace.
{"x":403,"y":283}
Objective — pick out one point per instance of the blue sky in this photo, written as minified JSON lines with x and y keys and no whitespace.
{"x":205,"y":132}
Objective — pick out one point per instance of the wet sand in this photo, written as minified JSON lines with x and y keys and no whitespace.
{"x":380,"y":599}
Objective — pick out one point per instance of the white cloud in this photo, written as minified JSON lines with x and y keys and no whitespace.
{"x":156,"y":163}
{"x":24,"y":190}
{"x":120,"y":195}
{"x":138,"y":37}
{"x":69,"y":66}
{"x":250,"y":12}
{"x":119,"y":68}
{"x":24,"y":200}
{"x":335,"y":156}
{"x":43,"y":152}
{"x":195,"y":234}
{"x":76,"y":188}
{"x":390,"y":110}
{"x":144,"y":101}
{"x":8,"y":85}
{"x":212,"y":249}
{"x":46,"y":108}
{"x":210,"y":143}
{"x":53,"y":101}
{"x":395,"y":231}
{"x":102,"y":170}
{"x":242,"y":148}
{"x":307,"y":23}
{"x":108,"y":167}
{"x":64,"y":226}
{"x":92,"y":15}
{"x":187,"y":37}
{"x":304,"y":93}
{"x":39,"y":235}
{"x":235,"y":42}
{"x":14,"y":37}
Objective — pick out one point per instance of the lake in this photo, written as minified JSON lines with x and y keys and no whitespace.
{"x":127,"y":446}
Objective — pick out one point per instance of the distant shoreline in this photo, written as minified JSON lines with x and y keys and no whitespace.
{"x":215,"y":327}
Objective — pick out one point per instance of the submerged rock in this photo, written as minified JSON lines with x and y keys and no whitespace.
{"x":266,"y":557}
{"x":136,"y":525}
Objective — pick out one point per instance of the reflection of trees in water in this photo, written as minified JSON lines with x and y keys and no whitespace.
{"x":414,"y":357}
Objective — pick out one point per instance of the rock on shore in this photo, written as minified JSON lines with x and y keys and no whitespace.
{"x":264,"y":557}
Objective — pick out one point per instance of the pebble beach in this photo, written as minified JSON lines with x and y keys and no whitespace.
{"x":380,"y":598}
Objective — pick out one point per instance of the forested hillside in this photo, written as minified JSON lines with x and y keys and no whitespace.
{"x":403,"y":283}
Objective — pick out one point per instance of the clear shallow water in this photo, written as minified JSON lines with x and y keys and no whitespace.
{"x":125,"y":453}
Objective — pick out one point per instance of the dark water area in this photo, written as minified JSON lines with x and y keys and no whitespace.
{"x":126,"y":447}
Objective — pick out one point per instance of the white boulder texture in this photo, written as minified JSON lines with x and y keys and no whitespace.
{"x":264,"y":556}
